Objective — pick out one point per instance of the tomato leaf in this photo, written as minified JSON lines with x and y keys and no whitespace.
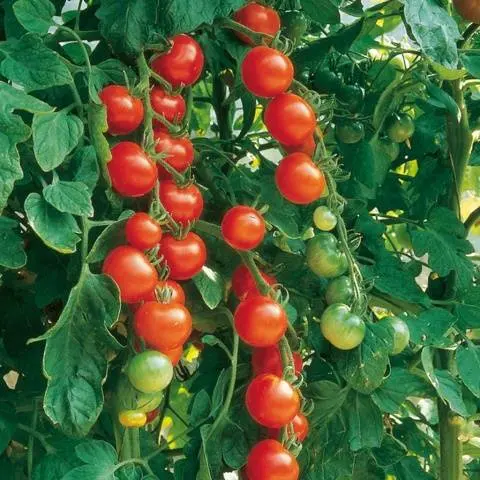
{"x":97,"y":125}
{"x":96,"y":452}
{"x":328,"y":398}
{"x":235,"y":447}
{"x":323,"y":12}
{"x":84,"y":167}
{"x":468,"y":363}
{"x":409,"y":468}
{"x":111,"y":237}
{"x":468,"y":312}
{"x":389,"y":452}
{"x":201,"y":407}
{"x":431,"y":327}
{"x":211,"y":286}
{"x":8,"y":425}
{"x":35,"y":15}
{"x":12,"y":254}
{"x":69,"y":197}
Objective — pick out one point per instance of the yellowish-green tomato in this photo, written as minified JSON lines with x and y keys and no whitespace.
{"x":324,"y":219}
{"x":401,"y":334}
{"x":146,"y":402}
{"x":132,"y":418}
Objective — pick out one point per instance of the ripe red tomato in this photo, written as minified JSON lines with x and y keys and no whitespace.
{"x":151,"y":416}
{"x":307,"y":147}
{"x":131,"y":171}
{"x":172,"y":107}
{"x":272,"y":401}
{"x":143,"y":231}
{"x":289,"y":119}
{"x":269,"y":360}
{"x":266,"y":72}
{"x":270,"y":460}
{"x":124,"y":111}
{"x":184,"y":257}
{"x":260,"y":321}
{"x":300,"y":428}
{"x":299,"y":180}
{"x":258,"y":18}
{"x":178,"y":152}
{"x":131,"y":271}
{"x":183,"y":64}
{"x":163,"y":326}
{"x":184,"y":204}
{"x":243,"y":284}
{"x":243,"y":228}
{"x":174,"y":354}
{"x":169,"y":292}
{"x":468,"y":9}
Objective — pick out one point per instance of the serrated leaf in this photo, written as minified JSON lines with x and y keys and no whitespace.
{"x":430,"y":327}
{"x":111,"y":237}
{"x":35,"y":15}
{"x":96,"y":452}
{"x":467,"y":358}
{"x":56,"y":229}
{"x":84,"y":166}
{"x":12,"y":254}
{"x":69,"y":197}
{"x":211,"y":286}
{"x":234,"y":446}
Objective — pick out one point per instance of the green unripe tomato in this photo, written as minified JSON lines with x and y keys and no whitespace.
{"x":324,"y":257}
{"x":146,"y":402}
{"x":352,"y":96}
{"x":150,"y":371}
{"x":325,"y":81}
{"x":399,"y":127}
{"x":324,"y":219}
{"x":295,"y":24}
{"x":339,"y":290}
{"x":401,"y":334}
{"x":342,"y":328}
{"x":350,"y":132}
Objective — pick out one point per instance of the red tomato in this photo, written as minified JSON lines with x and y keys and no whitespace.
{"x":184,"y":257}
{"x":124,"y":111}
{"x":266,"y":72}
{"x":300,"y":428}
{"x":131,"y":171}
{"x":182,"y":64}
{"x":307,"y":147}
{"x":172,"y":107}
{"x":178,"y":152}
{"x":167,"y":289}
{"x":143,"y":231}
{"x":174,"y":354}
{"x":184,"y":204}
{"x":131,"y":271}
{"x":289,"y":119}
{"x":270,"y":460}
{"x":468,"y":9}
{"x":258,"y":18}
{"x":272,"y":401}
{"x":163,"y":326}
{"x":244,"y":284}
{"x":260,"y":321}
{"x":299,"y":180}
{"x":151,"y":416}
{"x":269,"y":360}
{"x":243,"y":228}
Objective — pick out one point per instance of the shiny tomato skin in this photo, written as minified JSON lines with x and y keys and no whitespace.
{"x":174,"y":354}
{"x":179,"y":152}
{"x":184,"y":257}
{"x":182,"y":65}
{"x":243,"y":283}
{"x":266,"y":72}
{"x":149,"y":371}
{"x":299,"y":180}
{"x":132,"y":418}
{"x":260,"y":321}
{"x":290,"y":119}
{"x":243,"y":228}
{"x":307,"y":147}
{"x":324,"y":257}
{"x":300,"y":428}
{"x":130,"y":269}
{"x":269,"y":360}
{"x":401,"y":334}
{"x":142,"y":231}
{"x":124,"y":111}
{"x":169,"y":291}
{"x":272,"y":401}
{"x":132,"y":172}
{"x":468,"y":9}
{"x":184,"y":204}
{"x":171,"y":106}
{"x":259,"y":18}
{"x":339,"y":290}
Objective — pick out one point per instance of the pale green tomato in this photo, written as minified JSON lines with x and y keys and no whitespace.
{"x":146,"y":402}
{"x":324,"y":219}
{"x":401,"y":334}
{"x":339,"y":290}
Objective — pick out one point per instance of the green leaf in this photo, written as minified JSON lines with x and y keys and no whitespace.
{"x":111,"y":237}
{"x":211,"y":286}
{"x":409,"y":468}
{"x":80,"y":338}
{"x":12,"y":254}
{"x":435,"y":31}
{"x":97,"y":126}
{"x":35,"y":15}
{"x":84,"y":164}
{"x":471,"y":62}
{"x":201,"y":407}
{"x":328,"y":398}
{"x":468,"y":312}
{"x":468,"y":365}
{"x":390,"y":451}
{"x":55,"y":466}
{"x":93,"y":472}
{"x":55,"y":135}
{"x":69,"y":197}
{"x":29,"y":63}
{"x":431,"y":327}
{"x":323,"y":12}
{"x":96,"y":452}
{"x":210,"y":455}
{"x":111,"y":71}
{"x":234,"y":446}
{"x":8,"y":425}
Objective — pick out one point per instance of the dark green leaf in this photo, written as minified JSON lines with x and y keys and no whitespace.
{"x":96,"y":452}
{"x":468,"y":364}
{"x":210,"y":455}
{"x":111,"y":237}
{"x":8,"y":425}
{"x":97,"y":122}
{"x":201,"y":407}
{"x":431,"y":327}
{"x":94,"y":472}
{"x":390,"y":451}
{"x":84,"y":165}
{"x":472,"y":63}
{"x":468,"y":312}
{"x":323,"y":12}
{"x":234,"y":446}
{"x":410,"y":469}
{"x":211,"y":286}
{"x":12,"y":254}
{"x":35,"y":15}
{"x":249,"y":107}
{"x":328,"y":398}
{"x":55,"y":466}
{"x":69,"y":197}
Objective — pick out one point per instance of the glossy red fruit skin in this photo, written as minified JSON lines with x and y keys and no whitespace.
{"x":182,"y":65}
{"x":243,"y":228}
{"x":132,"y":172}
{"x":178,"y":150}
{"x":266,"y":72}
{"x":290,"y":119}
{"x":131,"y":271}
{"x":243,"y":284}
{"x":260,"y":321}
{"x":177,"y":294}
{"x":468,"y":10}
{"x":258,"y":18}
{"x":124,"y":111}
{"x":143,"y":231}
{"x":300,"y":428}
{"x":269,"y":360}
{"x":272,"y":401}
{"x":172,"y":107}
{"x":308,"y":147}
{"x":174,"y":354}
{"x":185,"y":204}
{"x":299,"y":180}
{"x":185,"y":257}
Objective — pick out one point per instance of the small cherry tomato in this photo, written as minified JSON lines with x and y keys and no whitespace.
{"x":172,"y":107}
{"x":468,"y":10}
{"x":401,"y":334}
{"x":148,"y":401}
{"x":132,"y":418}
{"x":185,"y":257}
{"x":143,"y":231}
{"x":324,"y":219}
{"x":174,"y":354}
{"x":178,"y":151}
{"x":184,"y":204}
{"x":243,"y":228}
{"x":399,"y":127}
{"x":259,"y":18}
{"x":308,"y":147}
{"x":168,"y":291}
{"x":182,"y":65}
{"x":269,"y":360}
{"x":149,"y":371}
{"x":243,"y":283}
{"x":289,"y":119}
{"x":352,"y":96}
{"x":339,"y":290}
{"x":130,"y":269}
{"x":324,"y":258}
{"x":350,"y":132}
{"x":260,"y":321}
{"x":266,"y":72}
{"x":300,"y":428}
{"x":326,"y":81}
{"x":131,"y":171}
{"x":124,"y":111}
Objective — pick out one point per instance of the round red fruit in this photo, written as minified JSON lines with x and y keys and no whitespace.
{"x":308,"y":147}
{"x":172,"y":107}
{"x":169,"y":291}
{"x":269,"y":360}
{"x":174,"y":354}
{"x":243,"y":228}
{"x":300,"y":428}
{"x":258,"y":18}
{"x":178,"y":151}
{"x":143,"y":231}
{"x":243,"y":284}
{"x":184,"y":204}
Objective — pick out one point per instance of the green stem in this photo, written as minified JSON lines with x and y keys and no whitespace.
{"x":75,"y":35}
{"x":31,"y":440}
{"x":41,"y":438}
{"x":451,"y":464}
{"x":86,"y":230}
{"x":247,"y":259}
{"x":238,"y":27}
